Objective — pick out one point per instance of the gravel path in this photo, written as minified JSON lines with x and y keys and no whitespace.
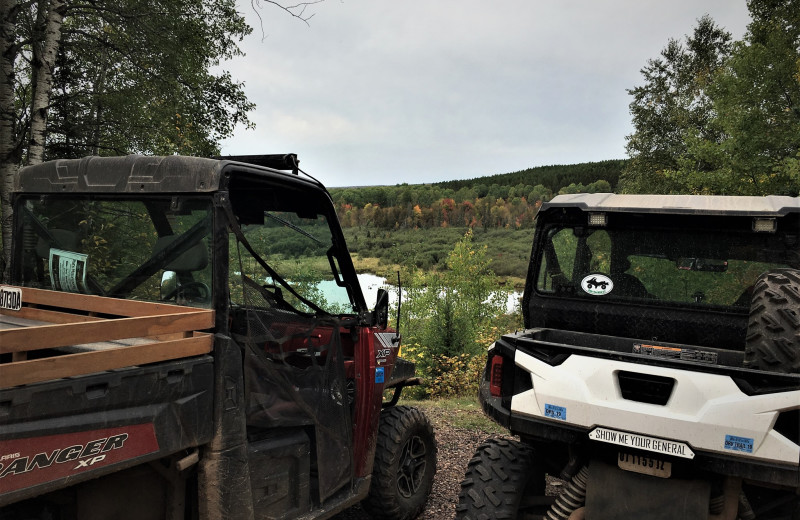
{"x":456,"y":447}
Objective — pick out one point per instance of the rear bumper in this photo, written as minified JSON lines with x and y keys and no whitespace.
{"x":724,"y":430}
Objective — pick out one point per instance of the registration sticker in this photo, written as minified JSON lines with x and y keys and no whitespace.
{"x":743,"y":444}
{"x":642,"y":442}
{"x":380,"y":375}
{"x":555,"y":412}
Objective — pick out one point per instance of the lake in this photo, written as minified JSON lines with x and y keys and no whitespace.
{"x":370,"y":283}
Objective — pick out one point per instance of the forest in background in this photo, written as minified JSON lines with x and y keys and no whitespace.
{"x":418,"y":225}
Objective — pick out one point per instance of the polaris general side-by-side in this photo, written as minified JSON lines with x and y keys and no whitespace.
{"x":658,"y":374}
{"x":186,"y":338}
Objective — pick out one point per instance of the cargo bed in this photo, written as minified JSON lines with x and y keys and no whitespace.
{"x":82,"y":392}
{"x":51,"y":335}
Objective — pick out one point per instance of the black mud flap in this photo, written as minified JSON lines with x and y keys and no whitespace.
{"x":615,"y":494}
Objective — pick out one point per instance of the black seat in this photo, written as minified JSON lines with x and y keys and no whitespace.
{"x":628,"y":285}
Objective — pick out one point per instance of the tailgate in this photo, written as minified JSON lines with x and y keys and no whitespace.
{"x":62,"y":432}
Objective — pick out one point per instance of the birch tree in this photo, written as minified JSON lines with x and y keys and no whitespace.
{"x":44,"y":47}
{"x":112,"y":78}
{"x":10,"y":146}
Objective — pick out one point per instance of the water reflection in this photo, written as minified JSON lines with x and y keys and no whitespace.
{"x":370,"y":283}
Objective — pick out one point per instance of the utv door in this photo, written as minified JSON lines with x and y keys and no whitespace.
{"x":288,"y":312}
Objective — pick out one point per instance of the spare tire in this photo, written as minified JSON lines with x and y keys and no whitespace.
{"x":773,"y":329}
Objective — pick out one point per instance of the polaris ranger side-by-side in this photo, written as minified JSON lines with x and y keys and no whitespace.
{"x":185,"y":338}
{"x":659,"y":372}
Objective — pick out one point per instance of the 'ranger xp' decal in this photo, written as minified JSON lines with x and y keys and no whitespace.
{"x":36,"y":460}
{"x":384,"y":346}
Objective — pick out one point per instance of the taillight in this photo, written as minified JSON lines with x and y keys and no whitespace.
{"x":496,"y":376}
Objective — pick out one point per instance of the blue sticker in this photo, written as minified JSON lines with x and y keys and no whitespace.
{"x":555,"y":412}
{"x":743,"y":444}
{"x":379,"y":375}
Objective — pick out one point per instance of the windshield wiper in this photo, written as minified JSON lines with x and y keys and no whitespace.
{"x":233,"y":222}
{"x":293,"y":226}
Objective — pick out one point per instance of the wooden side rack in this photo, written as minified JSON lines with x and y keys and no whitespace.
{"x":65,"y":335}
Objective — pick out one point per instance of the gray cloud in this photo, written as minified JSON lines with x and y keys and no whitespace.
{"x":381,"y":92}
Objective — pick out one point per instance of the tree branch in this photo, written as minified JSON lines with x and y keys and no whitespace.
{"x":297,"y":10}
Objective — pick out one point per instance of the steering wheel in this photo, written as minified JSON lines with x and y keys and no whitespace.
{"x":194,"y":292}
{"x":191,"y":292}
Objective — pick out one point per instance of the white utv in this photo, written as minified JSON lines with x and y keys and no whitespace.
{"x":658,"y":373}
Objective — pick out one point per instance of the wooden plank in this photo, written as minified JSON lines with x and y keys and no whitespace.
{"x":101,"y":304}
{"x":169,"y":337}
{"x":37,"y":370}
{"x":49,"y":336}
{"x":13,"y":322}
{"x":34,"y":313}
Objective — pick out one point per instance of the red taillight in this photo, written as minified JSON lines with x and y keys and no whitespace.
{"x":496,"y":376}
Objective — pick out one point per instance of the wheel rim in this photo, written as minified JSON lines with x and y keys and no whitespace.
{"x":411,"y":473}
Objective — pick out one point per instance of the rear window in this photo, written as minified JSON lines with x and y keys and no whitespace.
{"x":152,"y":249}
{"x":685,"y":266}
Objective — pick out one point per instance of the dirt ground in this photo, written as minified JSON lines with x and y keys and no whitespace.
{"x":456,"y":447}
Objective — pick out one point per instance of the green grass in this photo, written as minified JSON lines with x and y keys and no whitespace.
{"x":458,"y":412}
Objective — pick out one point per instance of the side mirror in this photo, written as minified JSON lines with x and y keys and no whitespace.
{"x":380,"y":316}
{"x":169,"y":285}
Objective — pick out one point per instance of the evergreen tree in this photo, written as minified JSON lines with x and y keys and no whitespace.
{"x":756,"y":98}
{"x":672,"y":105}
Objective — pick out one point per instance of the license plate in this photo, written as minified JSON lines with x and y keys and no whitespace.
{"x":644,"y":465}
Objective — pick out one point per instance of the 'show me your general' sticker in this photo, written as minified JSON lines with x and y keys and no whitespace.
{"x":642,"y":442}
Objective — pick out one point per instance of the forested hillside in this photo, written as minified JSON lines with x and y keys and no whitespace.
{"x":417,"y":225}
{"x":554,"y":178}
{"x":507,"y":201}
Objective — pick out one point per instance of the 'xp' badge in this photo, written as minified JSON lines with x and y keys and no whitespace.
{"x":597,"y":284}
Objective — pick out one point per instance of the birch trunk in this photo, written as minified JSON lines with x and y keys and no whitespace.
{"x":44,"y":59}
{"x":9,"y":160}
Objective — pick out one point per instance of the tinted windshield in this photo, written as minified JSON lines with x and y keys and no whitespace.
{"x":154,"y":250}
{"x":299,"y":254}
{"x":296,"y":253}
{"x":684,"y":266}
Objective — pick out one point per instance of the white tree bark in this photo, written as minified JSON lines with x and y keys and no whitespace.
{"x":51,"y":17}
{"x":8,"y":159}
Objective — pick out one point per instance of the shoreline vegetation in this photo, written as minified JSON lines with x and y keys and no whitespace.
{"x":384,"y":267}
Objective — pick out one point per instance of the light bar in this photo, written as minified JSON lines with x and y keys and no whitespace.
{"x":598,"y":219}
{"x":765,"y":225}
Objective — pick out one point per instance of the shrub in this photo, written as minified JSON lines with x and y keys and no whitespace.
{"x":454,"y":376}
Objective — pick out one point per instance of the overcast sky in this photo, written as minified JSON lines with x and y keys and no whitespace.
{"x":416,"y":91}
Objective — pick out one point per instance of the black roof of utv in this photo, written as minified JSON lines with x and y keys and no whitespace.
{"x":149,"y":174}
